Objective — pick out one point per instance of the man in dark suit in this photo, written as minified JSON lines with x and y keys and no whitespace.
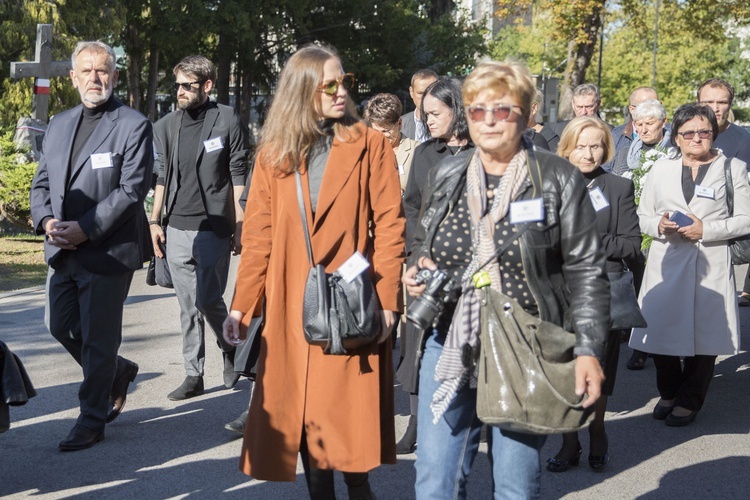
{"x":411,"y":123}
{"x":87,"y":198}
{"x":201,"y":156}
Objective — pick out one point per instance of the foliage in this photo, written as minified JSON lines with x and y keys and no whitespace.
{"x":16,"y":174}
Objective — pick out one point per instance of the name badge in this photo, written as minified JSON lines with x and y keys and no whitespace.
{"x":101,"y":160}
{"x":401,"y":170}
{"x":353,"y":267}
{"x":598,"y":199}
{"x":213,"y":144}
{"x":705,"y":192}
{"x":527,"y":211}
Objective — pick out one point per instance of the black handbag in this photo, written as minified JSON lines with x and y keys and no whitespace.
{"x":624,"y":311}
{"x":336,"y":314}
{"x":739,"y":248}
{"x":161,"y":269}
{"x":247,"y":353}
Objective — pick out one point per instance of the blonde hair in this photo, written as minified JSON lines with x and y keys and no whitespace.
{"x":292,"y":126}
{"x":573,"y":131}
{"x":507,"y":77}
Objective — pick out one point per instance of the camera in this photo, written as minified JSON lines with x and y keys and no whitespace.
{"x":428,"y":306}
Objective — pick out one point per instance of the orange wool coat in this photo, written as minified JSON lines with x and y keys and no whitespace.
{"x":344,"y":403}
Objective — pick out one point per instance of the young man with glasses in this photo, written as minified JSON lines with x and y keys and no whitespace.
{"x":201,"y":157}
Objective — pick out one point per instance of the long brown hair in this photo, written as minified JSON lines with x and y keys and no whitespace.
{"x":292,"y":126}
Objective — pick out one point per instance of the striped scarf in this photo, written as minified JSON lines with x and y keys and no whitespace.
{"x":456,"y":364}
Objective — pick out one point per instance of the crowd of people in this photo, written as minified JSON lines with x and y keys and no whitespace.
{"x":440,"y":188}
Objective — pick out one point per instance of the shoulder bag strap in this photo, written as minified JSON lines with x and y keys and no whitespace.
{"x":729,"y":185}
{"x":303,"y":215}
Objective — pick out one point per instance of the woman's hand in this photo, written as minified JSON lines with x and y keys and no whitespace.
{"x":231,"y":328}
{"x":694,"y":231}
{"x":414,"y":288}
{"x":589,"y":377}
{"x":666,"y":226}
{"x":387,"y":322}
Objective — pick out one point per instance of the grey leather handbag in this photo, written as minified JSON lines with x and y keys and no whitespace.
{"x":336,"y":314}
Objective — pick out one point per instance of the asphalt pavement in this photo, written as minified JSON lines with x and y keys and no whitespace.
{"x":179,"y":449}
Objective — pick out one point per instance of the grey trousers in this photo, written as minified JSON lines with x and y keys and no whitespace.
{"x":199,"y":263}
{"x":84,"y":313}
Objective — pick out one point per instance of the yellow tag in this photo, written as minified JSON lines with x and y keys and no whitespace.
{"x":481,"y":279}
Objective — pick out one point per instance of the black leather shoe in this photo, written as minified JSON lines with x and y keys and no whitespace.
{"x":561,"y":465}
{"x":662,"y":412}
{"x":230,"y":376}
{"x":637,"y":361}
{"x":190,"y":387}
{"x":120,"y":388}
{"x":673,"y":420}
{"x":238,"y":425}
{"x":408,"y":442}
{"x":81,"y":438}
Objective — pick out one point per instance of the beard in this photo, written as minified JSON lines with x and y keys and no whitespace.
{"x":97,"y":99}
{"x":194,"y":100}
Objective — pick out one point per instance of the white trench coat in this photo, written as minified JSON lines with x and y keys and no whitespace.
{"x":688,"y":294}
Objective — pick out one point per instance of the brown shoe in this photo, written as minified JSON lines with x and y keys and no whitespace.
{"x":119,"y":394}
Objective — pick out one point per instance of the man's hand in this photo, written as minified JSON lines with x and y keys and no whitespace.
{"x":589,"y":377}
{"x":157,"y":236}
{"x":236,"y":243}
{"x":65,"y":234}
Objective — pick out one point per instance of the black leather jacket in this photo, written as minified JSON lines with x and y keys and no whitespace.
{"x":562,"y":256}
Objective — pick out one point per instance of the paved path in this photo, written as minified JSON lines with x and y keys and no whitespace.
{"x":163,"y":449}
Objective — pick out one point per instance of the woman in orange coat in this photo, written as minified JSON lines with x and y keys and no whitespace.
{"x":337,"y":411}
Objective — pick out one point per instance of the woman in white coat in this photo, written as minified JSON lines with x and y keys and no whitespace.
{"x":688,"y":295}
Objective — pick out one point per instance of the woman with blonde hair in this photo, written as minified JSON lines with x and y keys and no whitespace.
{"x":554,"y":270}
{"x":587,"y":143}
{"x":336,"y":411}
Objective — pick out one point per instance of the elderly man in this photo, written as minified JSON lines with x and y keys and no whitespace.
{"x":412,"y":125}
{"x":87,"y":198}
{"x":201,"y":156}
{"x":586,"y":102}
{"x":624,"y":134}
{"x":733,"y":141}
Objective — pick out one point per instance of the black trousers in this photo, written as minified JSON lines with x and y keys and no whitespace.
{"x":687,"y":382}
{"x":320,"y":481}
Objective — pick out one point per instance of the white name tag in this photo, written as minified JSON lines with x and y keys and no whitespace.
{"x":527,"y":211}
{"x":353,"y":267}
{"x":213,"y":144}
{"x":705,"y":192}
{"x":598,"y":199}
{"x":101,"y":160}
{"x":401,"y":170}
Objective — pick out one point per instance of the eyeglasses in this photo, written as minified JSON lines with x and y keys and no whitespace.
{"x":332,"y":87}
{"x":386,"y":131}
{"x":186,"y":86}
{"x":500,"y":113}
{"x":703,"y":134}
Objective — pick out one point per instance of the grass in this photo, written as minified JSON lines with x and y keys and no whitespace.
{"x":21,"y":262}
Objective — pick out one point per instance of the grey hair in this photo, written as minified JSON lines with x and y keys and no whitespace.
{"x":587,"y":89}
{"x":539,"y":101}
{"x":650,"y":109}
{"x":93,"y":46}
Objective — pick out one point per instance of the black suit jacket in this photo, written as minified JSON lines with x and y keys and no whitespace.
{"x":107,"y":202}
{"x":618,"y":223}
{"x":218,"y":171}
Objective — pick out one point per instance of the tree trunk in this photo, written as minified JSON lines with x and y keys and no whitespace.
{"x":134,"y":67}
{"x":579,"y":60}
{"x":438,"y":8}
{"x":223,"y":69}
{"x":247,"y":94}
{"x":153,"y":81}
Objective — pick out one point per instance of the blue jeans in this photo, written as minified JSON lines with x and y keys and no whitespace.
{"x":446,"y":450}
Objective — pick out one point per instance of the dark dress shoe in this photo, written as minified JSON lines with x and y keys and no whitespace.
{"x":230,"y":376}
{"x":81,"y":438}
{"x":190,"y":387}
{"x":561,"y":465}
{"x":120,"y":388}
{"x":662,"y":412}
{"x":743,"y":301}
{"x":637,"y":361}
{"x":599,"y":462}
{"x":408,"y":442}
{"x":673,"y":420}
{"x":238,"y":425}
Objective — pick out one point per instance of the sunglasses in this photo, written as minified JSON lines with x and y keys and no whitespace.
{"x":332,"y":88}
{"x":500,"y":113}
{"x":187,"y":86}
{"x":703,"y":134}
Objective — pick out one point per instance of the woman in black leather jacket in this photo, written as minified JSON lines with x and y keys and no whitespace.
{"x":554,"y":270}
